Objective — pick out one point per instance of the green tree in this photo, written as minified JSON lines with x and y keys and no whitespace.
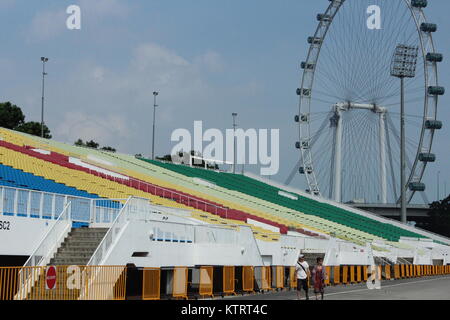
{"x":11,"y":116}
{"x":439,"y":217}
{"x":167,"y":158}
{"x":92,"y":144}
{"x":34,"y":128}
{"x":110,"y":149}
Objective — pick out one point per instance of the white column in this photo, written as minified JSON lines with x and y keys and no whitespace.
{"x":53,"y":206}
{"x":29,"y":204}
{"x":383,"y":157}
{"x":338,"y":157}
{"x":2,"y":208}
{"x":41,"y":205}
{"x":16,"y":198}
{"x":92,"y":212}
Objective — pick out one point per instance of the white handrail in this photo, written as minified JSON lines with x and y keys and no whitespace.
{"x":51,"y":240}
{"x":43,"y":252}
{"x":110,"y":236}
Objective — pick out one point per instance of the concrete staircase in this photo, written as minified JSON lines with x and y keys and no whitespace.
{"x":78,"y":247}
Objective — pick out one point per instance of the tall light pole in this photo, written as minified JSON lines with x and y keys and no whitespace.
{"x":44,"y":60}
{"x":155,"y":94}
{"x":403,"y":66}
{"x":234,"y":141}
{"x":445,"y":190}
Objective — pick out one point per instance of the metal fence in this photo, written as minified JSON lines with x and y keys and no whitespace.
{"x":180,"y":283}
{"x":63,"y":283}
{"x":206,"y":281}
{"x":44,"y":205}
{"x":151,"y":284}
{"x":110,"y":282}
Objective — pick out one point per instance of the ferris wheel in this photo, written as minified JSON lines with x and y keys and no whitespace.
{"x":349,"y":114}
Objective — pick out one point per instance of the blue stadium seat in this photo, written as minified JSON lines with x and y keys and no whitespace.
{"x":15,"y":178}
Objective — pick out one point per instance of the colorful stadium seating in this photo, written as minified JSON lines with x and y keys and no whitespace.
{"x":260,"y":190}
{"x":56,"y":167}
{"x":11,"y":177}
{"x":167,"y":184}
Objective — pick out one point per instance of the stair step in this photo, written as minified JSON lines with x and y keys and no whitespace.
{"x":79,"y":246}
{"x":74,"y":256}
{"x":89,"y":229}
{"x":76,"y":250}
{"x":83,"y":245}
{"x":86,"y":235}
{"x":69,"y":261}
{"x":84,"y":240}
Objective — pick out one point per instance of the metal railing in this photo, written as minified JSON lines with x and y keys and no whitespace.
{"x":206,"y":281}
{"x":113,"y":233}
{"x":45,"y":205}
{"x":109,"y":282}
{"x":228,"y":280}
{"x":151,"y":284}
{"x":68,"y":283}
{"x":180,"y":283}
{"x":103,"y":283}
{"x":248,"y":277}
{"x":105,"y":211}
{"x":52,"y":239}
{"x":37,"y":204}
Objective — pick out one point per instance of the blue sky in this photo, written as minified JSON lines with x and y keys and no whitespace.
{"x":207,"y":58}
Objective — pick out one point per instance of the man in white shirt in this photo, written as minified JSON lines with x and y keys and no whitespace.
{"x":302,"y":273}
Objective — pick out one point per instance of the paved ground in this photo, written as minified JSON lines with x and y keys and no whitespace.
{"x":427,"y":288}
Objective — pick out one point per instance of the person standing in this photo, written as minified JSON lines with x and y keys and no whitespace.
{"x":302,"y":273}
{"x":318,"y":276}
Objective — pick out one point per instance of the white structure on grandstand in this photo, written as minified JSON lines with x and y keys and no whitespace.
{"x":148,"y":235}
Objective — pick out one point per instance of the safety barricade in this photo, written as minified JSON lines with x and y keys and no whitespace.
{"x":206,"y":281}
{"x":248,"y":279}
{"x":151,"y":284}
{"x":180,"y":282}
{"x":228,"y":280}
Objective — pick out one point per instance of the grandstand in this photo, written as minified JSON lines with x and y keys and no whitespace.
{"x":82,"y":206}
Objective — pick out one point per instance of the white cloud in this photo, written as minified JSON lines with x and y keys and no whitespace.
{"x":104,"y":128}
{"x":104,"y":8}
{"x":152,"y":56}
{"x":114,"y":106}
{"x":46,"y":25}
{"x":212,"y":61}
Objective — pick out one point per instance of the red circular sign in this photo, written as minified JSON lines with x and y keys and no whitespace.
{"x":50,"y":278}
